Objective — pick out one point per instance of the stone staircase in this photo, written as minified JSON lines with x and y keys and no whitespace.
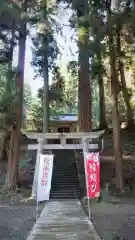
{"x":62,"y":219}
{"x":65,"y":183}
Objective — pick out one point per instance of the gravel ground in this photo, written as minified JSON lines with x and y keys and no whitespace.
{"x":111,"y":219}
{"x":17,"y":220}
{"x":114,"y":221}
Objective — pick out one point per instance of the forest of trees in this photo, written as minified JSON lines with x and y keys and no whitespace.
{"x":98,"y":82}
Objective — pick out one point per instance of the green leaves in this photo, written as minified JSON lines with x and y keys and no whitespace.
{"x":44,"y":42}
{"x":7,"y":97}
{"x":39,"y":51}
{"x":27,"y":95}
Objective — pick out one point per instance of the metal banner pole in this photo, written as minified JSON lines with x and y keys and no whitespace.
{"x":39,"y":150}
{"x":37,"y":205}
{"x":85,"y":152}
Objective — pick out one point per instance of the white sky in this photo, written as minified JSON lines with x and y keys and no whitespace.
{"x":29,"y":71}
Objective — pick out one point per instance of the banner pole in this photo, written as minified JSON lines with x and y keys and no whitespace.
{"x":35,"y":180}
{"x":37,"y":210}
{"x":85,"y":152}
{"x":89,"y":208}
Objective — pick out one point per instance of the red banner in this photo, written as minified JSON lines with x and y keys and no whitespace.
{"x":93,"y":175}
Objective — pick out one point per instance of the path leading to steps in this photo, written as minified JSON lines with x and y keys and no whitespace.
{"x":64,"y":219}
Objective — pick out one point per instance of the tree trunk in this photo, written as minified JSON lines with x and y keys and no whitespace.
{"x":115,"y":112}
{"x":123,"y":82}
{"x":9,"y":73}
{"x":102,"y":113}
{"x":15,"y":162}
{"x":84,"y":89}
{"x":45,"y":74}
{"x":8,"y":181}
{"x":116,"y":129}
{"x":3,"y":151}
{"x":46,"y":100}
{"x":8,"y":89}
{"x":19,"y":106}
{"x":126,"y":96}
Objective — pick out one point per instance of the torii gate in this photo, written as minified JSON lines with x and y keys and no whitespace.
{"x":85,"y":140}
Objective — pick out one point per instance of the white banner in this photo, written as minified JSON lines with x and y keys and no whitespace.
{"x":35,"y":180}
{"x":44,"y":177}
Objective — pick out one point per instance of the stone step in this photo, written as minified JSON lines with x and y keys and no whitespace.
{"x":65,"y":182}
{"x":65,"y":175}
{"x":65,"y":220}
{"x":65,"y":193}
{"x":64,"y":187}
{"x":65,"y":168}
{"x":69,"y":182}
{"x":62,"y":170}
{"x":65,"y":196}
{"x":66,"y":190}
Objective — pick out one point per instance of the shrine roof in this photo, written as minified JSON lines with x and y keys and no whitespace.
{"x":68,"y":117}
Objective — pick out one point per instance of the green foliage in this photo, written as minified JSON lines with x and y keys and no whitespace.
{"x":7,"y":98}
{"x":3,"y":72}
{"x":63,"y":92}
{"x":27,"y":95}
{"x":97,"y":22}
{"x":58,"y":82}
{"x":35,"y":113}
{"x":56,"y":109}
{"x":44,"y":42}
{"x":71,"y":92}
{"x":10,"y":8}
{"x":38,"y":53}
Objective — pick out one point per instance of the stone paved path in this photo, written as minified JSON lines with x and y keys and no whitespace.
{"x":63,"y":220}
